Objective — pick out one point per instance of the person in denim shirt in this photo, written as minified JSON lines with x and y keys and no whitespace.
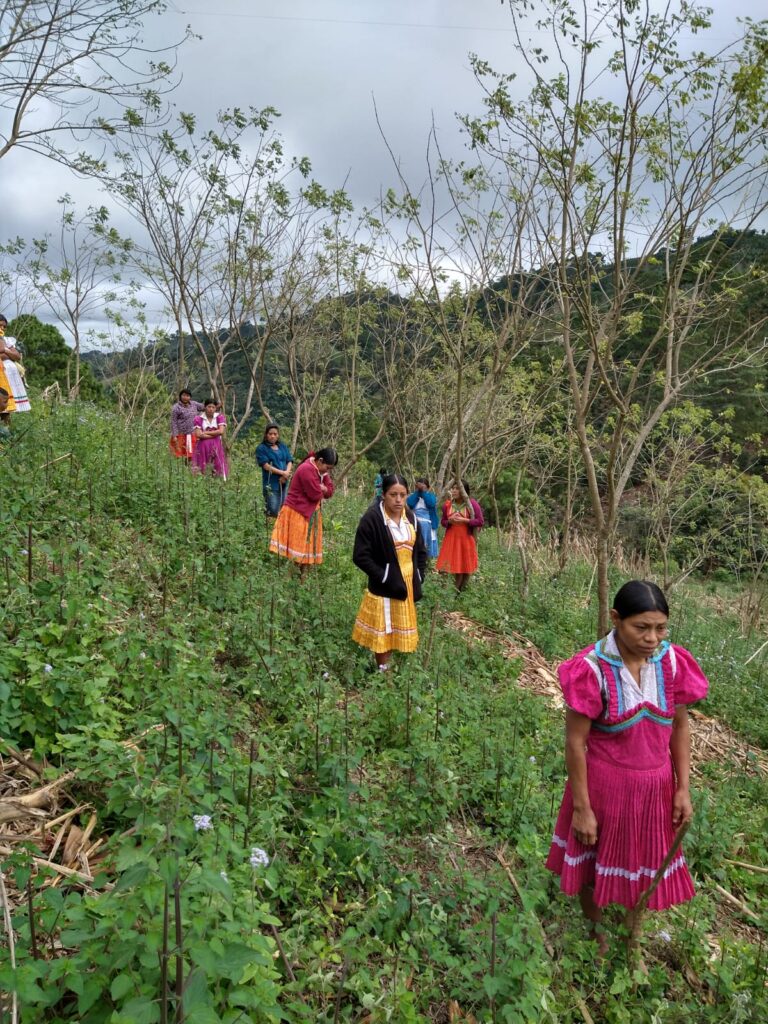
{"x":276,"y":463}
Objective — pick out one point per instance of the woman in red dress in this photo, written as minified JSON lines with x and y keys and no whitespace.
{"x":462,"y":516}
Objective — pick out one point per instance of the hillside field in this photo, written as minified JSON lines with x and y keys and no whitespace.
{"x":243,"y":824}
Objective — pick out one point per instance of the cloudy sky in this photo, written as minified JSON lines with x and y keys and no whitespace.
{"x":321,"y":63}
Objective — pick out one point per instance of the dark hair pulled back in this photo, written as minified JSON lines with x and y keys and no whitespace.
{"x":391,"y":479}
{"x":185,"y":391}
{"x":328,"y":455}
{"x":638,"y":596}
{"x":270,"y":426}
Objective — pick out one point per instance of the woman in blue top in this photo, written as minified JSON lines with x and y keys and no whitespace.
{"x":423,"y":502}
{"x":276,"y":463}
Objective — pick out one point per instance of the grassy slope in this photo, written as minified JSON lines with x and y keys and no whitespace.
{"x":382,"y":803}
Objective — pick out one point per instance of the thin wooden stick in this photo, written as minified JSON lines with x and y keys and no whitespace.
{"x":63,"y":817}
{"x":58,"y":868}
{"x":759,"y":649}
{"x":736,"y":902}
{"x":19,"y":757}
{"x":642,"y":903}
{"x":11,"y":943}
{"x":750,"y":867}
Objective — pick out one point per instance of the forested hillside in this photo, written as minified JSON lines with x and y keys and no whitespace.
{"x":233,"y":820}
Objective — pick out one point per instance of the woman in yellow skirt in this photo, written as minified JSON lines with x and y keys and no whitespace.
{"x":390,"y":551}
{"x":298,"y":531}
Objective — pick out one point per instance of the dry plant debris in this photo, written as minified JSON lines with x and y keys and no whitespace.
{"x":711,"y":740}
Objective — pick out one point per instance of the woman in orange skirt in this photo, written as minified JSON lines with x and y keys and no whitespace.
{"x":462,"y":516}
{"x":298,"y":530}
{"x":389,"y":548}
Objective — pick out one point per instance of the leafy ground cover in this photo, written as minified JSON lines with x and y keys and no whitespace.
{"x":293,"y":838}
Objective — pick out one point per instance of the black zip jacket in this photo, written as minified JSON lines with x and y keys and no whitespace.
{"x":375,"y":554}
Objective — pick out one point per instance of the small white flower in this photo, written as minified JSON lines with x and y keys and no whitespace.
{"x":664,"y":936}
{"x":24,"y":551}
{"x":63,"y":603}
{"x":142,"y":655}
{"x":142,"y":615}
{"x":326,"y":675}
{"x":417,"y":709}
{"x":532,"y":759}
{"x":224,"y":875}
{"x":259,"y":858}
{"x":202,"y":822}
{"x":47,"y":668}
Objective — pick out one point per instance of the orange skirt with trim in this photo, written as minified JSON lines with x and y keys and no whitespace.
{"x":183,"y":445}
{"x":298,"y":538}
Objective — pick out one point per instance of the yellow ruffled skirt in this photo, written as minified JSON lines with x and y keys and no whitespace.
{"x":384,"y":623}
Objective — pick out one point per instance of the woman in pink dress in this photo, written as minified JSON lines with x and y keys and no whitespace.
{"x":210,"y":428}
{"x":627,"y":751}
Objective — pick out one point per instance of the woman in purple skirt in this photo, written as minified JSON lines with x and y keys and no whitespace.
{"x":210,"y":428}
{"x":628,"y":752}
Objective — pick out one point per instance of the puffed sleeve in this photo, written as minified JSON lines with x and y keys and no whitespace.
{"x":690,"y":682}
{"x":581,"y":687}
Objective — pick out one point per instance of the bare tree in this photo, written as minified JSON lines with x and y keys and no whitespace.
{"x":79,"y":278}
{"x":231,"y":227}
{"x":645,"y":270}
{"x":74,"y":69}
{"x":462,"y":244}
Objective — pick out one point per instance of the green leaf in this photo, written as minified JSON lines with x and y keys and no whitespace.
{"x":121,"y":986}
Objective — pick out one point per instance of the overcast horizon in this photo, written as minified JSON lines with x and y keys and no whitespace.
{"x":320,"y":63}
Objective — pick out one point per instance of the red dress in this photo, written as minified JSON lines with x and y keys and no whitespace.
{"x":630,"y":777}
{"x":458,"y":553}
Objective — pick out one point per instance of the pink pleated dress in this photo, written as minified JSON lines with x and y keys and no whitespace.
{"x":630,"y":776}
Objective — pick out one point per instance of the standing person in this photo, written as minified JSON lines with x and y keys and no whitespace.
{"x":298,"y":531}
{"x":627,"y":751}
{"x":377,"y":481}
{"x":12,"y":372}
{"x":209,"y":430}
{"x":183,"y":412}
{"x":458,"y":554}
{"x":423,"y":501}
{"x":276,"y":463}
{"x":389,"y":549}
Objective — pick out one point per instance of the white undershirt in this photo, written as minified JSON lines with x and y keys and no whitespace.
{"x":633,"y":693}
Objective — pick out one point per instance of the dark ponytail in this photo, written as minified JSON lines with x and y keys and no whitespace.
{"x":638,"y":596}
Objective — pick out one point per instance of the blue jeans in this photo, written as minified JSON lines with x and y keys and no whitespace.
{"x":273,"y":502}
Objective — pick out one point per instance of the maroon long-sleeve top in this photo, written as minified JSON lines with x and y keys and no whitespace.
{"x":305,"y":492}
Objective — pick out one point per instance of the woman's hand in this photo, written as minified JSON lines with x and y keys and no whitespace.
{"x":584,"y":825}
{"x":682,"y":808}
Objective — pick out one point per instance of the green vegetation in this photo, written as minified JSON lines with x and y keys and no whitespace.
{"x":151,"y":646}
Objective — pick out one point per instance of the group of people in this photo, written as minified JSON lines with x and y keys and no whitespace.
{"x":13,"y":391}
{"x":197,"y":434}
{"x":627,"y":740}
